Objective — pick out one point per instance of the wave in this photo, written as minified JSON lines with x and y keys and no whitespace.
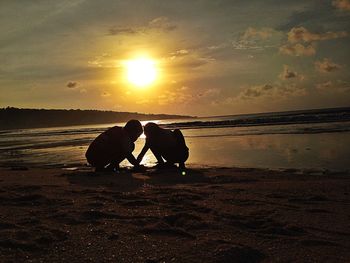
{"x":303,"y":117}
{"x":45,"y":145}
{"x":301,"y":130}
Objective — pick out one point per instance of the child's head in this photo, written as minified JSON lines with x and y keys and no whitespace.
{"x":134,"y":129}
{"x":151,"y":129}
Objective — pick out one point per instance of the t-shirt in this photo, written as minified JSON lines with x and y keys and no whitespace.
{"x":117,"y":137}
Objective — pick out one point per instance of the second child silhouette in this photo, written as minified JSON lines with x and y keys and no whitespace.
{"x":165,"y":144}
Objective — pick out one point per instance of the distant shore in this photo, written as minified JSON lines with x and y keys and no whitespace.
{"x":207,"y":215}
{"x":15,"y":118}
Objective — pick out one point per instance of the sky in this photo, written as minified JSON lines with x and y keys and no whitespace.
{"x":213,"y":57}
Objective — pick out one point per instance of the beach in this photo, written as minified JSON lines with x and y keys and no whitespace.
{"x":269,"y":188}
{"x":207,"y":215}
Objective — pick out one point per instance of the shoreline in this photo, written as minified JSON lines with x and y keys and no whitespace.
{"x":208,"y":215}
{"x":128,"y":168}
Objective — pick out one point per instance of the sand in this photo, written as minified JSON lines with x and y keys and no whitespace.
{"x":207,"y":215}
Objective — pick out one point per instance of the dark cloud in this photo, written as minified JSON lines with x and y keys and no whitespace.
{"x":273,"y":91}
{"x":121,"y":30}
{"x":187,"y":63}
{"x":160,"y":23}
{"x":72,"y":84}
{"x":256,"y":91}
{"x":105,"y":94}
{"x":289,"y":74}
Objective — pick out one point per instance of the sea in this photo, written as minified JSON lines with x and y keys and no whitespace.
{"x":315,"y":140}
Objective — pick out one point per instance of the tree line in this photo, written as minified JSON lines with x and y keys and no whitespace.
{"x":15,"y":118}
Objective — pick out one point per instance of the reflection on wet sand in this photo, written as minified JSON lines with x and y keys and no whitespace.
{"x":208,"y":147}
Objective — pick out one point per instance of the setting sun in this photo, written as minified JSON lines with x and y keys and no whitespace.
{"x":141,"y":72}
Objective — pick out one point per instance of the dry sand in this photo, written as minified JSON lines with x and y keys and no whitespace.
{"x":208,"y":215}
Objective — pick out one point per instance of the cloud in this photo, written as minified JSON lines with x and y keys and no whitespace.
{"x":251,"y":32}
{"x":299,"y":34}
{"x":326,"y":66}
{"x":256,"y":39}
{"x":218,"y":46}
{"x":343,"y":5}
{"x":209,"y":93}
{"x":178,"y":53}
{"x":186,"y":62}
{"x":307,"y":48}
{"x":162,"y":23}
{"x":329,"y":86}
{"x":289,"y":74}
{"x":105,"y":94}
{"x":172,"y":97}
{"x":181,"y":52}
{"x":324,"y":86}
{"x":103,"y":60}
{"x":271,"y":90}
{"x":72,"y":84}
{"x":298,"y":50}
{"x":182,"y":96}
{"x":256,"y":91}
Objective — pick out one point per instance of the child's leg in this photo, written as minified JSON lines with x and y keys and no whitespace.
{"x":115,"y":161}
{"x":181,"y":150}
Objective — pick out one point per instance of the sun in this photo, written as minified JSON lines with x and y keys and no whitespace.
{"x":141,"y":72}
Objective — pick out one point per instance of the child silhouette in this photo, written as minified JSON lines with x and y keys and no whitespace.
{"x":165,"y":144}
{"x":113,"y":146}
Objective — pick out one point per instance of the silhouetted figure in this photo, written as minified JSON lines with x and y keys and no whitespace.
{"x":166,"y":144}
{"x":113,"y":146}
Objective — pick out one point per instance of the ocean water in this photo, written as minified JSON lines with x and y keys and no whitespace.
{"x":302,"y":140}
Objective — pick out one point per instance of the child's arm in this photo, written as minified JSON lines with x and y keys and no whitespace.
{"x":132,"y":159}
{"x":143,"y":152}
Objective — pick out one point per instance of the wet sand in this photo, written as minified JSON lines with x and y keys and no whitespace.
{"x":207,"y":215}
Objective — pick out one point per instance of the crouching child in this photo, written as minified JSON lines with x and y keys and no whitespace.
{"x":111,"y":147}
{"x":165,"y":145}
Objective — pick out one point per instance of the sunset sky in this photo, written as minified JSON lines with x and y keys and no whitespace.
{"x":212,"y":57}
